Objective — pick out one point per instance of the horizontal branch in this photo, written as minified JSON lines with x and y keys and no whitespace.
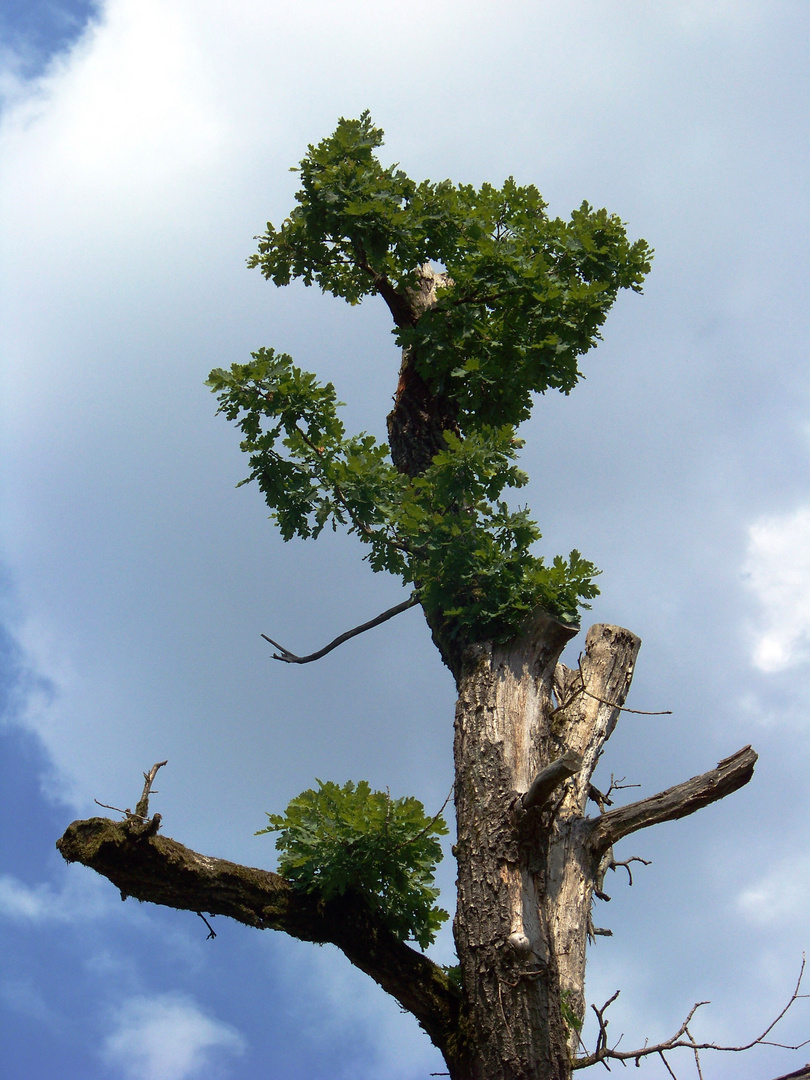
{"x":290,"y":658}
{"x":676,"y":802}
{"x":159,"y":870}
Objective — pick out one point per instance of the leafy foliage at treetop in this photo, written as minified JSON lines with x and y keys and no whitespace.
{"x":345,"y":838}
{"x":523,"y":296}
{"x":526,"y":295}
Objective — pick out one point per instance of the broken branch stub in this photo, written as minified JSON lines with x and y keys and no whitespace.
{"x":142,"y":809}
{"x":546,"y":782}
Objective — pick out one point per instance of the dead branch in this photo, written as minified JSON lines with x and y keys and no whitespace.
{"x":290,"y":658}
{"x":679,"y":801}
{"x":799,"y":1074}
{"x":545,"y":783}
{"x":683,"y":1039}
{"x":142,"y":809}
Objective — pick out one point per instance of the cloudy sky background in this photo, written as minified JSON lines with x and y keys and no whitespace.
{"x":143,"y":145}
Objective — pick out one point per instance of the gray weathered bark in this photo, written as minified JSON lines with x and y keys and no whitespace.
{"x":529,"y":733}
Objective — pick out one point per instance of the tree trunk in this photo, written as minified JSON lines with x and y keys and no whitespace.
{"x":529,"y":733}
{"x":526,"y":874}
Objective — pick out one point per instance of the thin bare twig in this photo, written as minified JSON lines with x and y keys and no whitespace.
{"x":609,"y":863}
{"x":126,"y":813}
{"x":666,"y":1065}
{"x":582,"y":689}
{"x":290,"y":658}
{"x":683,"y":1037}
{"x":429,"y":825}
{"x":603,"y":799}
{"x":626,"y":864}
{"x":617,"y":785}
{"x":697,"y":1057}
{"x":623,"y":708}
{"x":211,"y":931}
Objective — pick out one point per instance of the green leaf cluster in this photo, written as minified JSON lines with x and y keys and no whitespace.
{"x":339,"y":839}
{"x":526,"y":294}
{"x":527,"y":298}
{"x":357,"y":221}
{"x":471,"y":555}
{"x":447,"y":531}
{"x":309,"y":472}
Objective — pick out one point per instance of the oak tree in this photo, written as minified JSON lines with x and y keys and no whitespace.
{"x":493,"y":303}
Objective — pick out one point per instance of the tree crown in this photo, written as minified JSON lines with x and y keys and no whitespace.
{"x":519,"y":298}
{"x":524,"y":294}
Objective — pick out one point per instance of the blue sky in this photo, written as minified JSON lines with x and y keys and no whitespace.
{"x":34,"y":31}
{"x":142,"y":151}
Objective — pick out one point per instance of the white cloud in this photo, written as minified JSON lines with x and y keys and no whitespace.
{"x":778,"y":572}
{"x":22,"y":902}
{"x":168,"y":1037}
{"x":779,"y":897}
{"x":83,"y":897}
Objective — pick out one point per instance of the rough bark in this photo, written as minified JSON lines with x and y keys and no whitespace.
{"x":503,"y":940}
{"x":527,"y":741}
{"x":529,"y":733}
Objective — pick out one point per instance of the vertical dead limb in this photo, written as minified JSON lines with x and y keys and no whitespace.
{"x":142,"y":809}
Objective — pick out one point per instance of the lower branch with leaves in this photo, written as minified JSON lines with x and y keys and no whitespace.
{"x":145,"y":865}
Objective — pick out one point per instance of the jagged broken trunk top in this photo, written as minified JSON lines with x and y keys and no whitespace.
{"x":526,"y":875}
